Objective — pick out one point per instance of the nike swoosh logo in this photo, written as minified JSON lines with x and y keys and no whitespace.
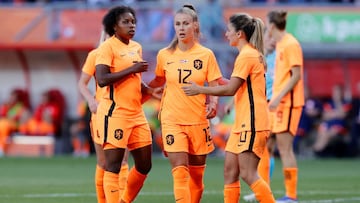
{"x":168,"y":63}
{"x":178,"y":199}
{"x":114,"y":190}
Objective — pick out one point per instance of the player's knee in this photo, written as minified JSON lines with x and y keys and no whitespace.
{"x":144,"y":168}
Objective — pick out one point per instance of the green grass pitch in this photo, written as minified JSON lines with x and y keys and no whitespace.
{"x":70,"y":180}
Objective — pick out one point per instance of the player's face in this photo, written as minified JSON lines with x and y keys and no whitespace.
{"x":232,"y":35}
{"x":184,"y":27}
{"x":269,"y":42}
{"x":125,"y":27}
{"x":269,"y":28}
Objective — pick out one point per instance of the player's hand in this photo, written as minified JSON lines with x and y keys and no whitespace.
{"x":93,"y":104}
{"x":273,"y":104}
{"x":211,"y":110}
{"x":192,"y":89}
{"x":157,"y":92}
{"x":140,"y":66}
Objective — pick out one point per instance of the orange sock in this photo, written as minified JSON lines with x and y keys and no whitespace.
{"x":111,"y":187}
{"x":262,"y":191}
{"x":135,"y":182}
{"x":181,"y":184}
{"x":264,"y":166}
{"x":196,"y":182}
{"x":123,"y":175}
{"x":99,"y":184}
{"x":291,"y":178}
{"x":232,"y":192}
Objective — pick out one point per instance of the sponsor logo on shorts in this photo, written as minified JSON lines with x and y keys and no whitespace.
{"x":118,"y":134}
{"x":169,"y":139}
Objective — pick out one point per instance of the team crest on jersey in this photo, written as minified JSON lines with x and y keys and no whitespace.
{"x":198,"y":64}
{"x":170,"y":139}
{"x":118,"y":134}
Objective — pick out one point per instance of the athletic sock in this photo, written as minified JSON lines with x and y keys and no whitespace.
{"x":262,"y":191}
{"x":135,"y":182}
{"x":99,"y":184}
{"x":196,"y":182}
{"x":181,"y":180}
{"x":232,"y":192}
{"x":291,"y":178}
{"x":111,"y":187}
{"x":123,"y":175}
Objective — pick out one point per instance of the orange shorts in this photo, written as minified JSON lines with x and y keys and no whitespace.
{"x":286,"y":119}
{"x":246,"y":141}
{"x":193,"y":139}
{"x":271,"y":119}
{"x":95,"y":136}
{"x":131,"y":133}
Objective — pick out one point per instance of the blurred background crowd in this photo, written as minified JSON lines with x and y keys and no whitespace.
{"x":44,"y":44}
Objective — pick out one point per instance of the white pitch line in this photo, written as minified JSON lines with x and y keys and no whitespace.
{"x":65,"y":195}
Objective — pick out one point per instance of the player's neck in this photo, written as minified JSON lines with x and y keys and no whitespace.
{"x":184,"y":46}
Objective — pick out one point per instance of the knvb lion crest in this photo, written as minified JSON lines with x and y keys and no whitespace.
{"x":118,"y":134}
{"x":170,"y":139}
{"x":198,"y":64}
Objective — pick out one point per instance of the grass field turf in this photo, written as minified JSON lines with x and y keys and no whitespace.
{"x":70,"y":180}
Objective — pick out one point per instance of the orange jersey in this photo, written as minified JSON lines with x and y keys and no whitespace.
{"x":179,"y":68}
{"x":288,"y":55}
{"x":123,"y":98}
{"x":89,"y":68}
{"x":250,"y":99}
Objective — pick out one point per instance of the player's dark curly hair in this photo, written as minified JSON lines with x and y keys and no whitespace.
{"x":113,"y":16}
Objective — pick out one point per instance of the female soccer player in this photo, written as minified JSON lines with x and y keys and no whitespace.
{"x":121,"y":122}
{"x":248,"y":137}
{"x":88,"y":71}
{"x":288,"y":98}
{"x":184,"y":120}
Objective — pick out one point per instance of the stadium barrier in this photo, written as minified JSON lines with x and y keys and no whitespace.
{"x":30,"y":146}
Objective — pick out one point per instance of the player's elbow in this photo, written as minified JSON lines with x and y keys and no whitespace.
{"x":101,"y":82}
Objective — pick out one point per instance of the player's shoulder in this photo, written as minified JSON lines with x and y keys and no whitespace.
{"x":203,"y":49}
{"x":134,"y":43}
{"x":290,"y":40}
{"x":249,"y":51}
{"x":164,"y":51}
{"x":93,"y":52}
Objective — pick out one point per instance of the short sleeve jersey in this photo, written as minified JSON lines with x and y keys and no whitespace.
{"x":288,"y":55}
{"x":89,"y":68}
{"x":123,"y":98}
{"x":250,"y":99}
{"x":197,"y":64}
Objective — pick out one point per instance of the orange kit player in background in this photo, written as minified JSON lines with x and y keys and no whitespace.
{"x":184,"y":120}
{"x":120,"y":119}
{"x":288,"y":98}
{"x":249,"y":134}
{"x":13,"y":114}
{"x":88,"y":71}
